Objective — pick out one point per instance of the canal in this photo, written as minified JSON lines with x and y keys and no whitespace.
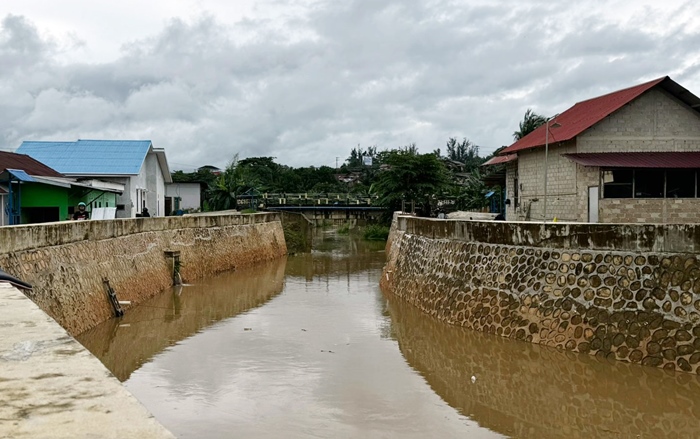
{"x":309,"y":347}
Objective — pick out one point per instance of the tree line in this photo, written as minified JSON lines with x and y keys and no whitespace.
{"x":392,"y":176}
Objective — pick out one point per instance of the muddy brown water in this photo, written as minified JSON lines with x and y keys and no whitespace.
{"x":309,"y":347}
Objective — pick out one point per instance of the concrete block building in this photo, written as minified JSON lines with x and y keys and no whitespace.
{"x":631,"y":156}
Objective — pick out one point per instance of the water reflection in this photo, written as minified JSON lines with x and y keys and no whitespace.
{"x":528,"y":391}
{"x":125,"y":344}
{"x":335,"y":254}
{"x":310,"y":347}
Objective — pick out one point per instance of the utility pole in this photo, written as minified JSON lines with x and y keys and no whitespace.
{"x":336,"y":162}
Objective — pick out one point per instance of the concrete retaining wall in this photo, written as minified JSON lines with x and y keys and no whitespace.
{"x":625,"y":292}
{"x":66,"y":262}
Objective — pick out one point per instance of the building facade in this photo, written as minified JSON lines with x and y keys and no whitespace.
{"x":135,"y":165}
{"x":630,"y":156}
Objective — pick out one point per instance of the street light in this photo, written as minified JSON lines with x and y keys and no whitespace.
{"x":546,"y":157}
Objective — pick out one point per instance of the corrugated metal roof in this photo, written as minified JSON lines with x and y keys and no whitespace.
{"x":11,"y":160}
{"x":90,"y":157}
{"x":585,"y":114}
{"x":16,"y":175}
{"x":501,"y":159}
{"x":638,"y":159}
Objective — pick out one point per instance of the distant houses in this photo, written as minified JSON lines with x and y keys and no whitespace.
{"x":31,"y":192}
{"x":135,"y":165}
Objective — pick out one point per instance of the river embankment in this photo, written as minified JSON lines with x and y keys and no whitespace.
{"x":620,"y":291}
{"x":67,"y":263}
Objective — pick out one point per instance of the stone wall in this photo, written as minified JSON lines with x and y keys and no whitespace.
{"x":624,"y":292}
{"x":66,"y":262}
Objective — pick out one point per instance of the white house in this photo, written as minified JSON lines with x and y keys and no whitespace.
{"x":136,"y":164}
{"x":183,"y":196}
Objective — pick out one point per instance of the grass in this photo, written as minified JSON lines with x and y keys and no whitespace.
{"x":375,"y":232}
{"x":248,"y":211}
{"x":344,"y":229}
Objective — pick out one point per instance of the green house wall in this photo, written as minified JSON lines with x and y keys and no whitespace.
{"x":44,"y":195}
{"x":65,"y":199}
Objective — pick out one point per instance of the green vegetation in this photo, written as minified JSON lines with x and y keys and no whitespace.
{"x":248,"y":211}
{"x":294,"y":238}
{"x":344,"y":229}
{"x":376,"y":232}
{"x":531,"y":121}
{"x":393,"y":178}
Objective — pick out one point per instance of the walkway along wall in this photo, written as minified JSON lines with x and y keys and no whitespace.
{"x":66,"y":262}
{"x":625,"y":292}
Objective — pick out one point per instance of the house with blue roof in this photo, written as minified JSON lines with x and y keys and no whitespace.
{"x":138,"y":166}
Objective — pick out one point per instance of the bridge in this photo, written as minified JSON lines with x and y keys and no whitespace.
{"x":320,"y":208}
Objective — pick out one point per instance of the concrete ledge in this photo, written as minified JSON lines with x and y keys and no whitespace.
{"x":669,"y":238}
{"x":28,"y":237}
{"x":52,"y":387}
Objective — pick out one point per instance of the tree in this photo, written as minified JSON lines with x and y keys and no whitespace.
{"x":464,"y":152}
{"x":411,"y":177}
{"x":472,"y":195}
{"x":221,"y":194}
{"x":531,"y":121}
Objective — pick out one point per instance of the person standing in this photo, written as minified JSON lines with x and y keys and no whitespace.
{"x":81,"y":214}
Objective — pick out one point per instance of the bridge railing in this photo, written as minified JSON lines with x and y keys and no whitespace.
{"x":307,"y":199}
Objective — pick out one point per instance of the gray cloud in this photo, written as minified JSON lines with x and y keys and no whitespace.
{"x":311,"y":84}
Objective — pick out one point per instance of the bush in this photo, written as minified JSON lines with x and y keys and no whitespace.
{"x":344,"y":229}
{"x":376,"y":232}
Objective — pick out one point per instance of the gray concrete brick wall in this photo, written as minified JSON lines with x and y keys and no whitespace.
{"x":654,"y":122}
{"x":561,"y":184}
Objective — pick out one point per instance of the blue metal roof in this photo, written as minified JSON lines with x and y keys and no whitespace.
{"x":17,"y":174}
{"x":90,"y":157}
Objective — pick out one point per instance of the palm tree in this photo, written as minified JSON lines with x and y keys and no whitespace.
{"x":529,"y":124}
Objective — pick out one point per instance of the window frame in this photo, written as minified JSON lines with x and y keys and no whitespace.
{"x":634,"y":196}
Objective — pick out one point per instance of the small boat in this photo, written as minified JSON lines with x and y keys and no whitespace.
{"x":4,"y":277}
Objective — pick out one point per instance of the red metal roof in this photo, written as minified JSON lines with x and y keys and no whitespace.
{"x":637,"y":159}
{"x":11,"y":160}
{"x":501,"y":159}
{"x":582,"y":116}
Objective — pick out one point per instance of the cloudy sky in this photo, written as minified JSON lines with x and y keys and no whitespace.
{"x":307,"y":80}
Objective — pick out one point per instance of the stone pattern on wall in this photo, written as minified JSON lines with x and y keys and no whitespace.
{"x":642,"y":307}
{"x":519,"y":386}
{"x":67,"y":272}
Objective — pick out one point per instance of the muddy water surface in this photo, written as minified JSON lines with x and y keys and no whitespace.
{"x":310,"y":347}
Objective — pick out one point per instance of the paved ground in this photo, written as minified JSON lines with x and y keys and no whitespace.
{"x":52,"y":387}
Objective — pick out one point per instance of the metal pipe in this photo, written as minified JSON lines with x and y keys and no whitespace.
{"x":546,"y":157}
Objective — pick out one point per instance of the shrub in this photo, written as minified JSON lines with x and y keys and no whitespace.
{"x":376,"y":232}
{"x":344,"y":229}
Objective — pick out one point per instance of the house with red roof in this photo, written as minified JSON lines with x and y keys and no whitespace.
{"x":631,"y":156}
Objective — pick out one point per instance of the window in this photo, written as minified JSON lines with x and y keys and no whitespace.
{"x":649,"y":183}
{"x":680,"y":183}
{"x":618,"y":183}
